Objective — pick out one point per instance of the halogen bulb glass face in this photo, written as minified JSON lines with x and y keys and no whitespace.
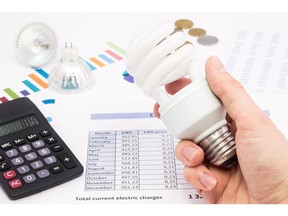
{"x":162,"y":56}
{"x":71,"y":74}
{"x":36,"y":44}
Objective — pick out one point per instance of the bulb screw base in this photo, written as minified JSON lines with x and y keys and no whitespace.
{"x":220,"y":148}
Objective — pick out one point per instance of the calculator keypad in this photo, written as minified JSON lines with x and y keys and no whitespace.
{"x":27,"y":160}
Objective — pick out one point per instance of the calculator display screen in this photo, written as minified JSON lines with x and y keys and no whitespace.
{"x":18,"y":124}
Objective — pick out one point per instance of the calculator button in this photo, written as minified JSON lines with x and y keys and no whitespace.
{"x":38,"y":144}
{"x":9,"y":174}
{"x":32,"y":137}
{"x":15,"y":183}
{"x":19,"y":141}
{"x":11,"y":153}
{"x":2,"y":158}
{"x":45,"y":133}
{"x":6,"y":146}
{"x":17,"y":161}
{"x":25,"y":148}
{"x":57,"y":148}
{"x":66,"y":159}
{"x":56,"y":169}
{"x":50,"y":160}
{"x":36,"y":165}
{"x":31,"y":156}
{"x":44,"y":151}
{"x":29,"y":178}
{"x":4,"y":166}
{"x":50,"y":140}
{"x":43,"y":173}
{"x":23,"y":169}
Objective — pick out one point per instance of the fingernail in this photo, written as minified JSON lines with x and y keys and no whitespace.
{"x":207,"y":180}
{"x":218,"y":64}
{"x":189,"y":153}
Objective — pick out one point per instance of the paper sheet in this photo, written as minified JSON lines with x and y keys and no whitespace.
{"x":259,"y":60}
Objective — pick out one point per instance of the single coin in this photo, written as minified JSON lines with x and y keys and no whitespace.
{"x":197,"y":32}
{"x":207,"y":40}
{"x":183,"y":24}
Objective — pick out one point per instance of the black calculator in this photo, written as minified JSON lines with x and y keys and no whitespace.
{"x":33,"y":157}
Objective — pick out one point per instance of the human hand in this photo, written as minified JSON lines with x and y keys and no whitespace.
{"x":261,"y":175}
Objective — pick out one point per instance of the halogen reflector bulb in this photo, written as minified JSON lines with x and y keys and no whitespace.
{"x":36,"y":45}
{"x":72,"y":74}
{"x":161,"y":56}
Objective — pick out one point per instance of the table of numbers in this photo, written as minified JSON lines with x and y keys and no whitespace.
{"x":133,"y":160}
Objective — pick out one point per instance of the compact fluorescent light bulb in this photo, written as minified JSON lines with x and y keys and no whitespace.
{"x":161,"y":56}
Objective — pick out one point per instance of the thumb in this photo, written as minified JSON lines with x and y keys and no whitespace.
{"x":236,"y":100}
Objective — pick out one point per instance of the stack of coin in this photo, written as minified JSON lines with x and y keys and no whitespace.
{"x":202,"y":38}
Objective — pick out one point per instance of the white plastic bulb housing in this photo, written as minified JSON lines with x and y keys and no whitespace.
{"x":161,"y":56}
